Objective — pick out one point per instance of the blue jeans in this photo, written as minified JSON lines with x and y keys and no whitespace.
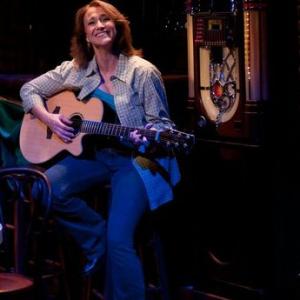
{"x":69,"y":177}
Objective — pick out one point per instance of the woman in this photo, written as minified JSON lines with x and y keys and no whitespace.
{"x":105,"y":65}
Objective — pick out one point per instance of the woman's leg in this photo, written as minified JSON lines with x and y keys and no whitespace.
{"x":68,"y":178}
{"x":125,"y":279}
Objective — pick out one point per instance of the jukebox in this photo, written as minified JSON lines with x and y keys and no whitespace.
{"x":227,"y":65}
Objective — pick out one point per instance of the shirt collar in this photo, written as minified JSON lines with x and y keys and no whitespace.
{"x":92,"y":67}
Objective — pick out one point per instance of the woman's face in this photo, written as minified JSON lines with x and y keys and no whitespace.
{"x":99,"y":28}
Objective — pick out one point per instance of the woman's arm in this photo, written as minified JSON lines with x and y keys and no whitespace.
{"x":36,"y":91}
{"x":155,"y":101}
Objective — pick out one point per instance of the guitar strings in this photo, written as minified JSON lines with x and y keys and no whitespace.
{"x":167,"y":136}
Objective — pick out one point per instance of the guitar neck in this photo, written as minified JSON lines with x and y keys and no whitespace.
{"x":108,"y":129}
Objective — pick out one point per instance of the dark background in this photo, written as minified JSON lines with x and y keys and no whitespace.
{"x":41,"y":32}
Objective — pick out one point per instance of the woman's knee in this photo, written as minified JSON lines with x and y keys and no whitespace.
{"x":58,"y":197}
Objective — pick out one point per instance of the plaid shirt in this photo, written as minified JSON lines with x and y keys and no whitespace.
{"x":139,"y":96}
{"x":138,"y":89}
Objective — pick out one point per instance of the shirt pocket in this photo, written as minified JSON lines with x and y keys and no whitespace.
{"x":128,"y":95}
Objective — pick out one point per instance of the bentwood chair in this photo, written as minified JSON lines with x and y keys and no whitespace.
{"x":18,"y":218}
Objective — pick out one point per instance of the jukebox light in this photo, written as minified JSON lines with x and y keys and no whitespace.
{"x":194,"y":7}
{"x":255,"y":50}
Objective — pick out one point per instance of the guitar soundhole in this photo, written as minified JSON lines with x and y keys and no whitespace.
{"x":77,"y":121}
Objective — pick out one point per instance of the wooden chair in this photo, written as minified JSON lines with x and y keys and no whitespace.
{"x":19,"y":216}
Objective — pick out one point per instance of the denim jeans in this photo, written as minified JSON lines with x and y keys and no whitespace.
{"x":95,"y":236}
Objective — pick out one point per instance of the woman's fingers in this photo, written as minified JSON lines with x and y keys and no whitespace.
{"x":137,"y":138}
{"x":61,"y":126}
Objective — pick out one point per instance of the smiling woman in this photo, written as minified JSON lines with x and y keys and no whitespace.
{"x":141,"y":172}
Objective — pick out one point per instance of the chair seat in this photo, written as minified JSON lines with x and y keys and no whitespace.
{"x":13,"y":282}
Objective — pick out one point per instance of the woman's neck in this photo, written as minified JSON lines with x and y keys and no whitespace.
{"x":107,"y":64}
{"x":106,"y":61}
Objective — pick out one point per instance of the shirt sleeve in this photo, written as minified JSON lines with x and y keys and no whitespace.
{"x":155,"y":100}
{"x":37,"y":90}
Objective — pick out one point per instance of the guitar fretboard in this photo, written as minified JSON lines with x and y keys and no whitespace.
{"x":117,"y":130}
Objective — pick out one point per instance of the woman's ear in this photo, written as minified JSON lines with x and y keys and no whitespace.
{"x":88,"y":43}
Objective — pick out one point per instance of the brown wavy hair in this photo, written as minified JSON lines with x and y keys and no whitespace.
{"x":82,"y":53}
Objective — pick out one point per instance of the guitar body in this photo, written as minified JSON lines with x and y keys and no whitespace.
{"x":38,"y":144}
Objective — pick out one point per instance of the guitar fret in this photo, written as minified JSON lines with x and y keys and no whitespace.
{"x":83,"y":126}
{"x":94,"y":127}
{"x":117,"y":130}
{"x":105,"y":129}
{"x":88,"y":127}
{"x":112,"y":130}
{"x":125,"y":132}
{"x":109,"y":128}
{"x":99,"y":127}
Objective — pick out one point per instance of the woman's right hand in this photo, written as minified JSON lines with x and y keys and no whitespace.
{"x":61,"y":126}
{"x":58,"y":123}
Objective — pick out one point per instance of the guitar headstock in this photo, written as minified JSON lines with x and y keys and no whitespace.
{"x":177,"y":140}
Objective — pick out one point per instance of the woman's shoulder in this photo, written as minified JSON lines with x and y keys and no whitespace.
{"x":70,"y":68}
{"x":142,"y":64}
{"x":138,"y":60}
{"x":65,"y":67}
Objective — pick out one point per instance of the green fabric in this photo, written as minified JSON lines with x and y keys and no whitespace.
{"x":11,"y":115}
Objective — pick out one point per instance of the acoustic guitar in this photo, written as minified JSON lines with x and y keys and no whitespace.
{"x":38,"y":143}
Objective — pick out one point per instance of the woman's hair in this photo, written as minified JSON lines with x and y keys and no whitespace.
{"x":80,"y":50}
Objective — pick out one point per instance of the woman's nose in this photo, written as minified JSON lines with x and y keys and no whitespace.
{"x":100,"y":23}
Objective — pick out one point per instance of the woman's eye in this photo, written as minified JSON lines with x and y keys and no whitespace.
{"x":104,"y":19}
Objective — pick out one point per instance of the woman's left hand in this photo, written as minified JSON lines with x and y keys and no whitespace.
{"x":137,"y":138}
